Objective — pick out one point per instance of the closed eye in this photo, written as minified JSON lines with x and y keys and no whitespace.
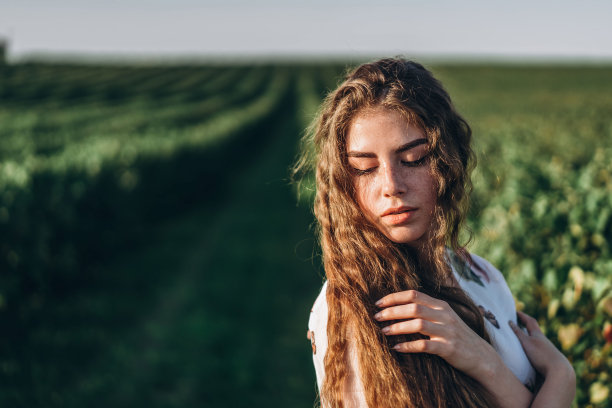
{"x":363,"y":172}
{"x":406,"y":163}
{"x":415,"y":163}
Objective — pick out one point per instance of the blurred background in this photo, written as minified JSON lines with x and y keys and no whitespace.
{"x":152,"y":249}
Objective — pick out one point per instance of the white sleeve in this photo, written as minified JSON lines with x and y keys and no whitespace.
{"x":499,"y":307}
{"x":354,"y":396}
{"x":317,"y":333}
{"x":499,"y":283}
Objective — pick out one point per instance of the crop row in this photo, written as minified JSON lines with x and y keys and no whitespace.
{"x":43,"y":85}
{"x":45,"y":132}
{"x":62,"y":211}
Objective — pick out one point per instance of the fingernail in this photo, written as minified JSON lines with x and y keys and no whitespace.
{"x":511,"y":324}
{"x":379,"y":302}
{"x":396,"y":347}
{"x":386,"y":329}
{"x":378,"y":315}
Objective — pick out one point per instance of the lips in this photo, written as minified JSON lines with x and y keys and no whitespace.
{"x":398,"y":210}
{"x":399,"y":215}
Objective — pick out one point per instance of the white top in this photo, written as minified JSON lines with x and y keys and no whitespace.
{"x":488,"y":291}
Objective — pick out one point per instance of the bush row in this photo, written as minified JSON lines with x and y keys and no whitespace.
{"x":62,"y":213}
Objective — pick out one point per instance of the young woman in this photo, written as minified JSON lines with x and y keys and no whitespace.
{"x":407,"y":317}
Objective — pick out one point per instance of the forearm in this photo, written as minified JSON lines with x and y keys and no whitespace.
{"x":497,"y":378}
{"x":559,"y":385}
{"x":558,"y":390}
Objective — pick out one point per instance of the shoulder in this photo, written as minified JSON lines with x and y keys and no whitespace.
{"x":494,"y":274}
{"x":471,"y":267}
{"x":484,"y":283}
{"x":497,"y":305}
{"x":321,"y":300}
{"x":317,"y":333}
{"x":318,"y":311}
{"x":492,"y":278}
{"x":317,"y":322}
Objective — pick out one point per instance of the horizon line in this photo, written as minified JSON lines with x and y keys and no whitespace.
{"x":313,"y":57}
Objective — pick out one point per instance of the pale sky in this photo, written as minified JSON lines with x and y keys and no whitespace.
{"x":483,"y":28}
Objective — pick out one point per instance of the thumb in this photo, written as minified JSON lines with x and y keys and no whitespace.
{"x":531,"y":324}
{"x":522,"y":336}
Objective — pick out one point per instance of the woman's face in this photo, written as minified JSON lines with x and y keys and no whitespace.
{"x":394,"y":186}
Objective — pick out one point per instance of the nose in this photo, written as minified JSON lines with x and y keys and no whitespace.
{"x":393,"y":183}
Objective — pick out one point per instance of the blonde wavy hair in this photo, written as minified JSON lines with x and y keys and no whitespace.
{"x":362,"y":265}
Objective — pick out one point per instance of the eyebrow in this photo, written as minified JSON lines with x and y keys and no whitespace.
{"x":403,"y":148}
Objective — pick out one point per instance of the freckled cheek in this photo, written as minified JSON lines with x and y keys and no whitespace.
{"x":366,"y":197}
{"x":428,"y":189}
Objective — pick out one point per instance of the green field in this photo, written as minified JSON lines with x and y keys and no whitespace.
{"x":153,"y":252}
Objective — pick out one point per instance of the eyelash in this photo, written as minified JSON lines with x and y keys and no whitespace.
{"x":414,"y":163}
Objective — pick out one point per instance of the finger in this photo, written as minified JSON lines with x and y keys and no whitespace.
{"x":530,"y":323}
{"x":418,"y":346}
{"x":411,"y":311}
{"x":414,"y":326}
{"x":522,"y":336}
{"x":410,"y":296}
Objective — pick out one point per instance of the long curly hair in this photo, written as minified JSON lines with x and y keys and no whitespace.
{"x":362,"y":265}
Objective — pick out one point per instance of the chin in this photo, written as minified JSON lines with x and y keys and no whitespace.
{"x":412,"y":238}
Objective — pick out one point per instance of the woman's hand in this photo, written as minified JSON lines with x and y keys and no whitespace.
{"x":542,"y":354}
{"x":449,"y":336}
{"x":559,"y":385}
{"x":453,"y":340}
